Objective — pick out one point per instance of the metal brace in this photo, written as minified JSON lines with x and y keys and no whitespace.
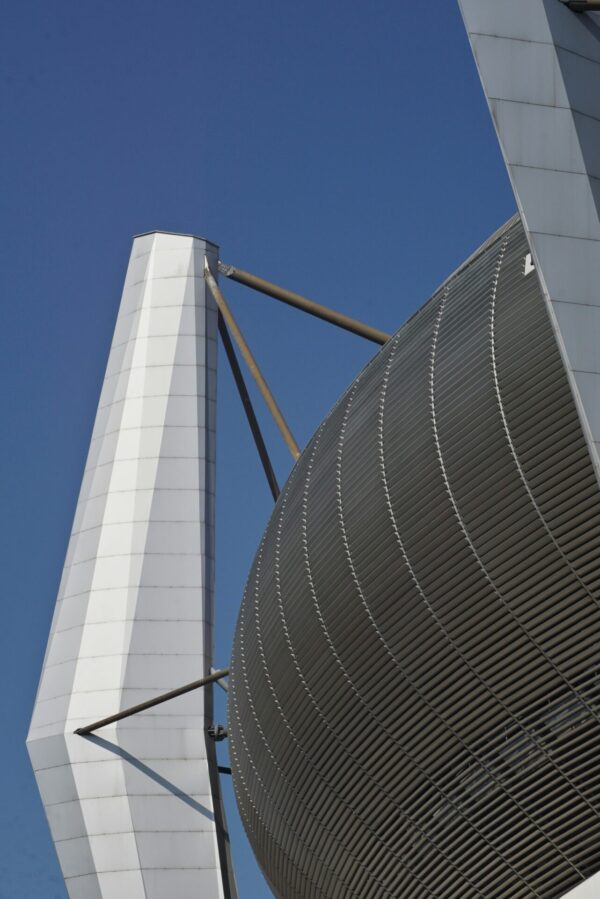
{"x":217,"y":732}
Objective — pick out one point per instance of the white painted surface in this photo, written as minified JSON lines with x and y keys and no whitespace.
{"x":131,"y":810}
{"x":590,"y":889}
{"x":540,"y":67}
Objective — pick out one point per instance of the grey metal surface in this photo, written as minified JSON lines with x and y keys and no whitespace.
{"x":414,"y":689}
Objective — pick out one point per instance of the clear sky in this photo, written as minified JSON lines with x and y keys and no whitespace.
{"x":341,"y":149}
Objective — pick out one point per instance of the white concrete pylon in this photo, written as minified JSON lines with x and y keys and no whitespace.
{"x":134,"y":810}
{"x":539,"y":64}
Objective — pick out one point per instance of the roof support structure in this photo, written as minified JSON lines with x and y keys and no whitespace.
{"x":157,"y":700}
{"x":248,"y":408}
{"x":252,"y":364}
{"x":306,"y":305}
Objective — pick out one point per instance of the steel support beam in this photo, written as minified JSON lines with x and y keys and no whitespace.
{"x":583,"y":5}
{"x":252,"y":364}
{"x":248,"y":408}
{"x":150,"y":703}
{"x":306,"y":305}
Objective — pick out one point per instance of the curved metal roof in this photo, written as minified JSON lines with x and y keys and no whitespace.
{"x":414,"y":703}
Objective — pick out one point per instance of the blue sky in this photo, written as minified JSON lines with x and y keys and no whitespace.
{"x":341,"y":149}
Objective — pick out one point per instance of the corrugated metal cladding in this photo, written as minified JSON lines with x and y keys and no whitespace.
{"x":414,"y":699}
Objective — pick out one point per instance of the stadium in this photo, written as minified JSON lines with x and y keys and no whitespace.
{"x":413,"y":692}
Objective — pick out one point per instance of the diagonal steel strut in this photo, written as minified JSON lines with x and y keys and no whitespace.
{"x":248,"y":408}
{"x":251,"y":363}
{"x":150,"y":703}
{"x":306,"y":305}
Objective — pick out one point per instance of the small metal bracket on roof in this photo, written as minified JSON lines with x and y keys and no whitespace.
{"x":217,"y":732}
{"x":529,"y":265}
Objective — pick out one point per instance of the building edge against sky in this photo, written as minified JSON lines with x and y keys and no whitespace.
{"x":135,"y":810}
{"x":539,"y":65}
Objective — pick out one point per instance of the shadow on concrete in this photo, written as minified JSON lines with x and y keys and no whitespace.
{"x":149,"y":772}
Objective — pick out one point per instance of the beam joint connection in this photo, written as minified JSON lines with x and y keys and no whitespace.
{"x":251,"y":363}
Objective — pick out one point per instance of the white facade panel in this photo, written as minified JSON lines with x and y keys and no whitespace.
{"x":539,"y":63}
{"x":518,"y":19}
{"x":133,"y":809}
{"x":590,"y":889}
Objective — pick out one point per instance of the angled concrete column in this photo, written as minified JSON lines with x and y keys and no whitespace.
{"x":134,"y":810}
{"x":539,"y":64}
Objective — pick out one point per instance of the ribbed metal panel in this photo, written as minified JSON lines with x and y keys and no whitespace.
{"x":414,"y":698}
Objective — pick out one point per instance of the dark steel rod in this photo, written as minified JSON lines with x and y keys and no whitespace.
{"x":583,"y":5}
{"x":306,"y":305}
{"x":164,"y":697}
{"x":251,"y":363}
{"x":248,"y":407}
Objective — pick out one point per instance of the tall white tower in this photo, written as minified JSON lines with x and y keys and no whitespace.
{"x":135,"y":811}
